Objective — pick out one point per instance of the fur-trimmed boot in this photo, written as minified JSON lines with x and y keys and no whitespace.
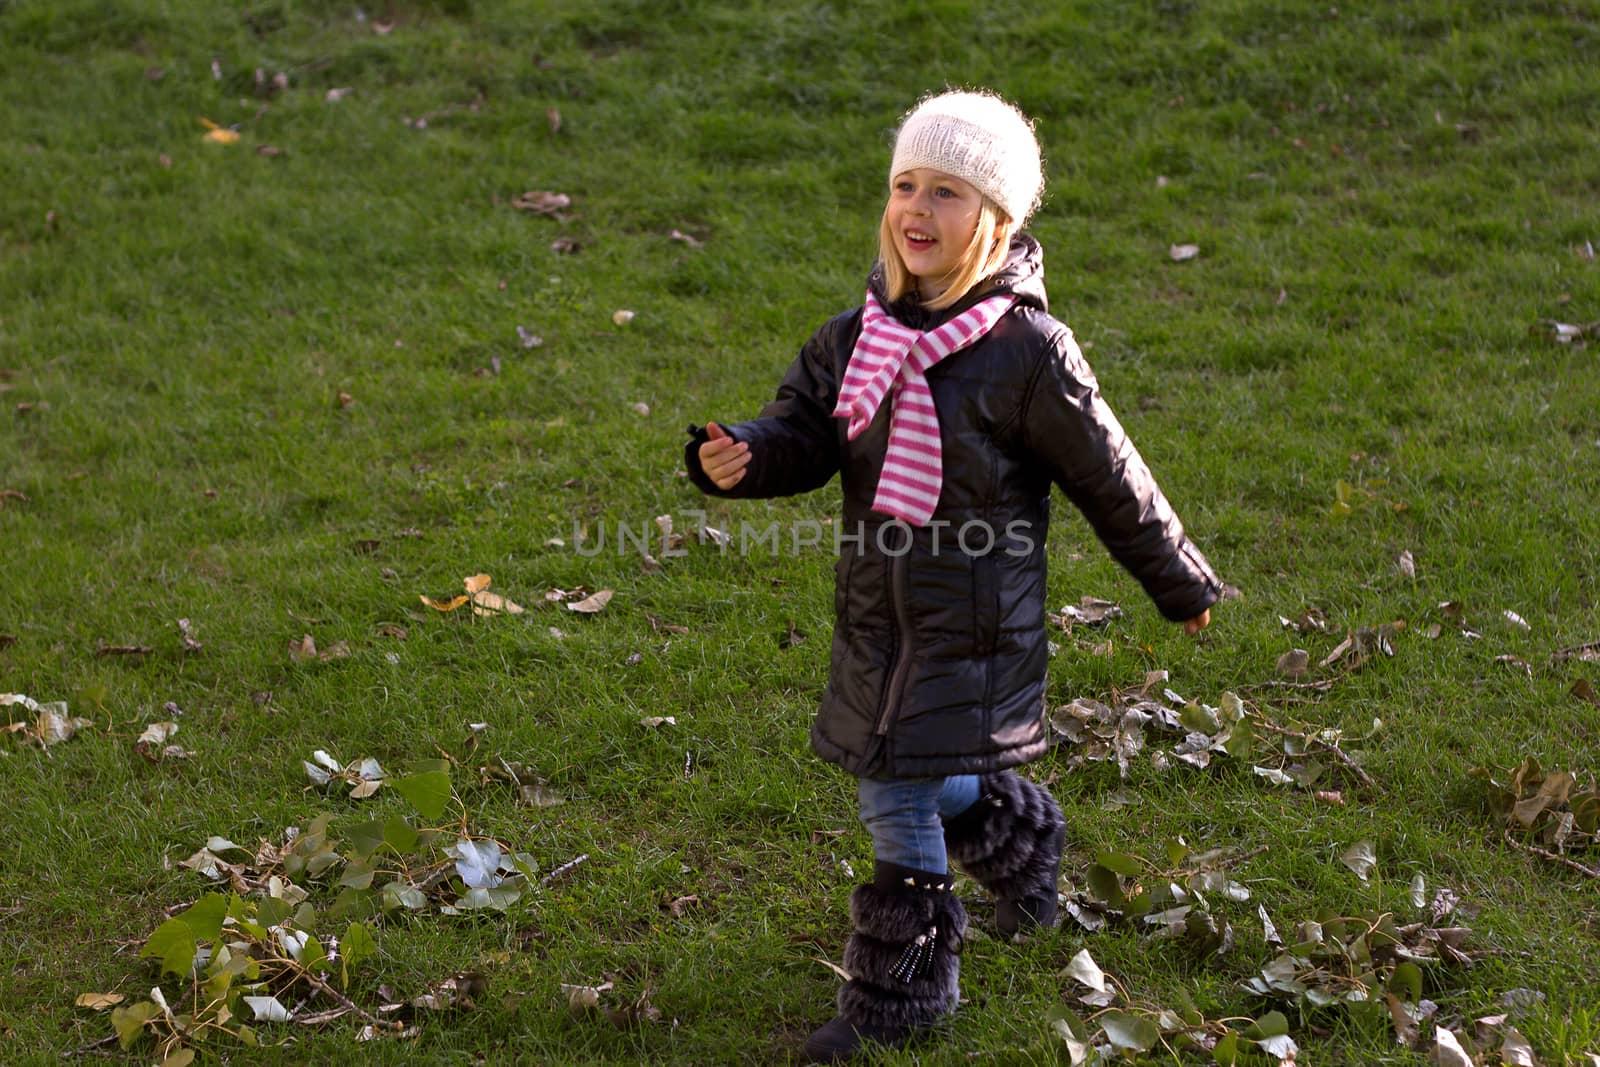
{"x":902,"y":960}
{"x":1010,"y":842}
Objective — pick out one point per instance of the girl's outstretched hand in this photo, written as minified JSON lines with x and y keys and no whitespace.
{"x":722,"y":458}
{"x":1198,"y":623}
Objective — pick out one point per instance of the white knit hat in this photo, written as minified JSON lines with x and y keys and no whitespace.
{"x":980,"y":139}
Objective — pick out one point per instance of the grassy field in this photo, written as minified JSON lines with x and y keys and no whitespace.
{"x":284,"y":386}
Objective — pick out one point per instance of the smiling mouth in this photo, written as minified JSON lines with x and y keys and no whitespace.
{"x":919,"y":242}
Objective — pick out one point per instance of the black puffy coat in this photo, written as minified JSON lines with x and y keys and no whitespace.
{"x":939,"y":651}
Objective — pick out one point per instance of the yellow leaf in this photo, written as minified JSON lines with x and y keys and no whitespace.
{"x":99,"y":1001}
{"x":218,"y":134}
{"x":476,"y":584}
{"x":443,"y":605}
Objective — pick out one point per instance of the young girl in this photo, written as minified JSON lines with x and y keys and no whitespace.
{"x":949,"y":404}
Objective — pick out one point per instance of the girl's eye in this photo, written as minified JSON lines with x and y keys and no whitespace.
{"x":947,"y":193}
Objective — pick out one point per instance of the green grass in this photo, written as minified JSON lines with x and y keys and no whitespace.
{"x":1387,"y":199}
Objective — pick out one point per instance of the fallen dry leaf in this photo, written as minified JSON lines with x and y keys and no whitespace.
{"x":565,"y":246}
{"x":528,"y":338}
{"x":622,"y":316}
{"x":1294,"y":663}
{"x":591,"y":605}
{"x":542,"y":202}
{"x":305,"y":650}
{"x":682,"y":904}
{"x":1406,"y":565}
{"x":640,"y":408}
{"x":692,"y":242}
{"x":345,"y":400}
{"x":653,"y":721}
{"x":333,"y":96}
{"x":99,"y":1001}
{"x":553,"y":118}
{"x":1583,"y":689}
{"x":218,"y":134}
{"x":1183,"y":253}
{"x":186,"y":633}
{"x":443,"y":605}
{"x":7,"y":640}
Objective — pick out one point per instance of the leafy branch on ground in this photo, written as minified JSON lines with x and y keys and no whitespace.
{"x":262,"y":952}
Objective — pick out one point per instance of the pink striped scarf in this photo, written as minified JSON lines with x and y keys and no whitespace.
{"x":889,"y":354}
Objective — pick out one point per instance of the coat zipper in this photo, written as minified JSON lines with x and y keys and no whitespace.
{"x":902,"y":615}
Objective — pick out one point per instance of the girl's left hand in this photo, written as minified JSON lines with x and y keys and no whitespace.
{"x":1198,"y":623}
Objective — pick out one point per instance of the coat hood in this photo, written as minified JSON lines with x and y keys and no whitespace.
{"x":1022,"y":276}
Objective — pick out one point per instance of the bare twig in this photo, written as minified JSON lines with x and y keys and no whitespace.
{"x":563,"y":869}
{"x":1311,"y":739}
{"x":1553,"y":857}
{"x":345,"y":1002}
{"x":1319,"y":686}
{"x":92,"y":1048}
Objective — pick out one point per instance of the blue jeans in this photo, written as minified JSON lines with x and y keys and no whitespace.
{"x":905,"y":817}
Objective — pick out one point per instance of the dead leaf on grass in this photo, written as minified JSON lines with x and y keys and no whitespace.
{"x":1406,"y":565}
{"x":565,"y":246}
{"x":1309,"y":621}
{"x":99,"y":1001}
{"x":552,"y":117}
{"x":1294,"y":663}
{"x":1092,"y":611}
{"x":622,"y":316}
{"x":1183,"y":253}
{"x":1360,"y":858}
{"x":1565,"y":333}
{"x":186,"y":633}
{"x":1583,"y":689}
{"x":653,"y":721}
{"x":542,"y":202}
{"x":592,"y":605}
{"x":692,"y":242}
{"x":218,"y":134}
{"x":305,"y":650}
{"x":584,"y":998}
{"x":485,"y":602}
{"x":155,"y":736}
{"x":333,"y":96}
{"x":528,"y":338}
{"x":443,"y":605}
{"x":7,"y":640}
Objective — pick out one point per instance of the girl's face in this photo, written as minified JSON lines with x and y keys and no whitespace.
{"x":933,"y":217}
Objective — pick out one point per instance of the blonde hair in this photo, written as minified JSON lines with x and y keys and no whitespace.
{"x":984,"y":256}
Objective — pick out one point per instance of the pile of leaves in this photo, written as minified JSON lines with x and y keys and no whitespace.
{"x":1200,"y":736}
{"x":1167,"y":900}
{"x":43,"y":725}
{"x":1124,"y":1028}
{"x":1556,"y":809}
{"x":1366,"y":963}
{"x":266,"y":951}
{"x":1546,"y":815}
